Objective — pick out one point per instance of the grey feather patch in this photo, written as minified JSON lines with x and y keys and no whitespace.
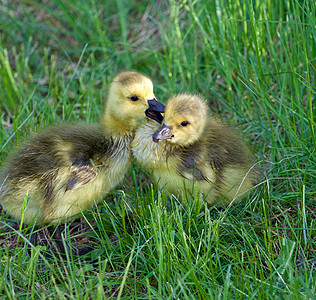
{"x":81,"y":176}
{"x":189,"y":170}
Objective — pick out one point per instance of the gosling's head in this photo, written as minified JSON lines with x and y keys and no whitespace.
{"x":184,"y":120}
{"x":130,"y":95}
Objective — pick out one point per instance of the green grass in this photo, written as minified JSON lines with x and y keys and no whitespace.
{"x":255,"y":63}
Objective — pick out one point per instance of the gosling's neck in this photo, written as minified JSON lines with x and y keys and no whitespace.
{"x":113,"y":125}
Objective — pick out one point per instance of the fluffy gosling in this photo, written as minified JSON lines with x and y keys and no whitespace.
{"x":193,"y":149}
{"x":65,"y":169}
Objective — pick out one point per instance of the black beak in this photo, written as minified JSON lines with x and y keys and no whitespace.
{"x":156,"y":106}
{"x":163,"y":133}
{"x":154,"y":110}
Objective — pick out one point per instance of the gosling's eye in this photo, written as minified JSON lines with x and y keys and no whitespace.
{"x":184,"y":123}
{"x":134,"y":98}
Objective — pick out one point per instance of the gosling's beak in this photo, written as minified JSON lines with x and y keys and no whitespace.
{"x":154,"y":110}
{"x":156,"y":106}
{"x":163,"y":133}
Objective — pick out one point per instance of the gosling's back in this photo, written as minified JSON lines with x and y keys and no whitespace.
{"x":54,"y":167}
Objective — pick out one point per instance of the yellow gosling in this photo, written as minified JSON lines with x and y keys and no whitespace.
{"x":195,"y":150}
{"x":65,"y":169}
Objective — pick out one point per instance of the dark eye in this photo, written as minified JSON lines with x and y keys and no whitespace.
{"x":184,"y":123}
{"x":134,"y":98}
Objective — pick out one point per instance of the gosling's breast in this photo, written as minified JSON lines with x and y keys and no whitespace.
{"x":145,"y":151}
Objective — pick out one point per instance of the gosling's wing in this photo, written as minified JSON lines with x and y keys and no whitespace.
{"x":91,"y":153}
{"x":189,"y":168}
{"x":193,"y":164}
{"x":82,"y":173}
{"x":88,"y":151}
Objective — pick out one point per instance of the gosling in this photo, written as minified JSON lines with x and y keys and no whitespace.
{"x":193,"y":150}
{"x":65,"y":169}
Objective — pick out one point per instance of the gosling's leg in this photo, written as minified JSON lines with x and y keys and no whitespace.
{"x":56,"y":235}
{"x":32,"y":238}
